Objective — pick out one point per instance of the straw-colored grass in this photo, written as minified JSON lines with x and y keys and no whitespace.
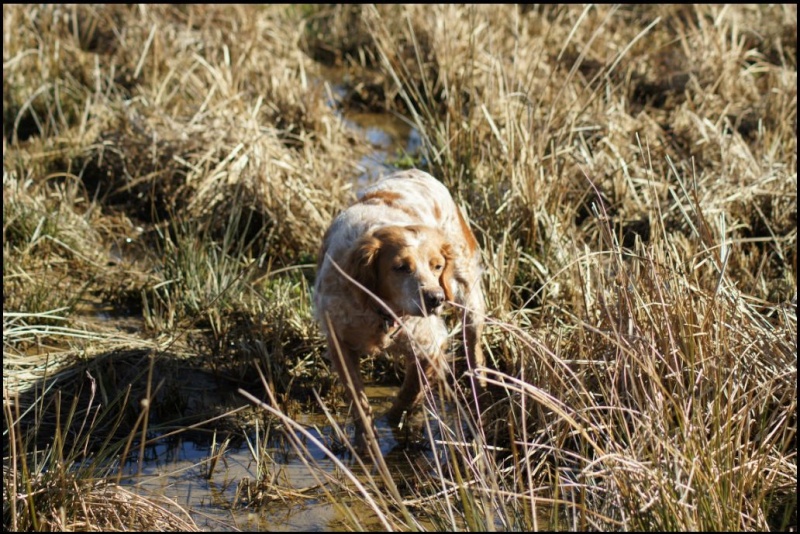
{"x":631,"y":175}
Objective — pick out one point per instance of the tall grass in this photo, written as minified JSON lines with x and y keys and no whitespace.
{"x":631,"y":175}
{"x":652,"y":379}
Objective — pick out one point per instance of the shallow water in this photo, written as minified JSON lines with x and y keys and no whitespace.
{"x":389,"y":135}
{"x":178,"y":470}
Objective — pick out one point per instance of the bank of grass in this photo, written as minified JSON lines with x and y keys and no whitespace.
{"x":630,"y":172}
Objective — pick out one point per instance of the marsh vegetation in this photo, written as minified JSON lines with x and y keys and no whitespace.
{"x":631,"y":174}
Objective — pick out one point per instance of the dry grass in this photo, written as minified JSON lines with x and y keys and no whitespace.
{"x":631,"y":172}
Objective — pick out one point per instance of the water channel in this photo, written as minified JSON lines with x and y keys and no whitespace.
{"x":178,"y":468}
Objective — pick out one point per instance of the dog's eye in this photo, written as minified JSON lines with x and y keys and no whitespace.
{"x":438,"y":267}
{"x":402,"y":268}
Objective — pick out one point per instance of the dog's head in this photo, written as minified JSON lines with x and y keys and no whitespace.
{"x":409,"y":268}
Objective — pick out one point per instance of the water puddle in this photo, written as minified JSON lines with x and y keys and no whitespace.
{"x":102,"y":316}
{"x":392,"y":138}
{"x":293,"y":500}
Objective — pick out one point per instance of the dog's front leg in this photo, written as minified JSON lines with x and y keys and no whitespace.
{"x":473,"y":319}
{"x":423,"y":345}
{"x":345,"y":361}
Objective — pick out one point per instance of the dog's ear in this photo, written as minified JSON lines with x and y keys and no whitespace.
{"x":447,"y":278}
{"x":362,"y":264}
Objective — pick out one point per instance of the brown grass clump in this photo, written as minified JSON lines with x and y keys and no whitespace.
{"x":183,"y":122}
{"x":76,"y":505}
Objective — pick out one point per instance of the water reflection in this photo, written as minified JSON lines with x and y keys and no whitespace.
{"x":231,"y":496}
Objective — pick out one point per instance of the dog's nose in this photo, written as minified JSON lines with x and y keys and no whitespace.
{"x":434,"y":298}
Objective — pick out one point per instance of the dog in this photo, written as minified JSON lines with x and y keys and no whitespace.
{"x":387,"y":266}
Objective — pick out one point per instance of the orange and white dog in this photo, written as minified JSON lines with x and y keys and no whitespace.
{"x":387,"y":266}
